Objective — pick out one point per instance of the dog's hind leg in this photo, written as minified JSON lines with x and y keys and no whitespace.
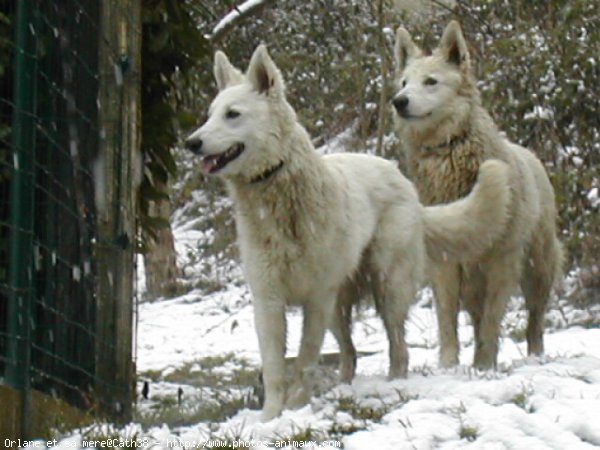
{"x":396,"y":272}
{"x":317,"y":318}
{"x":341,"y":327}
{"x":397,"y":296}
{"x":541,"y":265}
{"x":395,"y":286}
{"x":269,"y":318}
{"x":446,"y":283}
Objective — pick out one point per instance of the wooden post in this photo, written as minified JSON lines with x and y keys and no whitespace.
{"x":119,"y":173}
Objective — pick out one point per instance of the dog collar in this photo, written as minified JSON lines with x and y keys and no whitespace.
{"x":267,"y":173}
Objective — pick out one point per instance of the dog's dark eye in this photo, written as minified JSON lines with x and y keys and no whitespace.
{"x":232,"y":114}
{"x":403,"y":83}
{"x":430,"y":81}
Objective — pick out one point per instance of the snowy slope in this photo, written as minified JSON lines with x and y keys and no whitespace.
{"x":549,"y":403}
{"x":552,"y":402}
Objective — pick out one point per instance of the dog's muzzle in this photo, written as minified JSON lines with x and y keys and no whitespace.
{"x":401,"y":106}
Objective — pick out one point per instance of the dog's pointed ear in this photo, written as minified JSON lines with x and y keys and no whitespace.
{"x":453,"y":46}
{"x":263,"y":74}
{"x":405,"y":49}
{"x":225,"y":73}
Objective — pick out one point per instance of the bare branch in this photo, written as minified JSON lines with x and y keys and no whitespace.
{"x":383,"y":96}
{"x":235,"y":17}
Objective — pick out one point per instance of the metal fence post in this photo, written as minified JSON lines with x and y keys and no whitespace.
{"x":22,"y":206}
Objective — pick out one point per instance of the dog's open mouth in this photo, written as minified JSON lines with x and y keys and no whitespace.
{"x":214,"y":163}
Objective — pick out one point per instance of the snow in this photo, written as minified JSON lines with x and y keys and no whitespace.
{"x":551,"y":402}
{"x":593,"y":197}
{"x":337,"y":144}
{"x":193,"y":326}
{"x":539,"y":112}
{"x":535,"y":403}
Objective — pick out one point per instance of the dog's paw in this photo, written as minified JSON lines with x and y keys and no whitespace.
{"x":484,"y":362}
{"x":448,"y":360}
{"x":398,"y":369}
{"x":347,"y":369}
{"x":298,"y":395}
{"x":269,"y":412}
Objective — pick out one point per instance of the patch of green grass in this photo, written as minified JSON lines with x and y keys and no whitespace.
{"x":300,"y":435}
{"x":233,"y":439}
{"x":204,"y":372}
{"x":361,"y":412}
{"x":217,"y":408}
{"x":468,"y":432}
{"x":164,"y":401}
{"x":465,"y":430}
{"x":521,"y":399}
{"x":108,"y":436}
{"x":151,"y":375}
{"x":366,"y":410}
{"x":224,"y":385}
{"x":337,"y":430}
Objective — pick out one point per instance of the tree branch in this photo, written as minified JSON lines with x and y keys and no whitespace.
{"x":236,"y":16}
{"x":383,"y":96}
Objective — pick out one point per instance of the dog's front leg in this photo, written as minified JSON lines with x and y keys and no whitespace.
{"x":269,"y":318}
{"x":317,"y":317}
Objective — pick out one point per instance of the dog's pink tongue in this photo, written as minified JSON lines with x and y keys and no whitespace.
{"x":208,"y":163}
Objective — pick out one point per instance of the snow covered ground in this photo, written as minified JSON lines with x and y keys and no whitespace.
{"x":546,"y":403}
{"x":553,"y":402}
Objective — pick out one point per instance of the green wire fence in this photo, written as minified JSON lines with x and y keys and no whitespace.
{"x":69,"y":101}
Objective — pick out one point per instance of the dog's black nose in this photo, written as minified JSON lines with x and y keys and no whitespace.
{"x":400,"y":103}
{"x":194,"y":145}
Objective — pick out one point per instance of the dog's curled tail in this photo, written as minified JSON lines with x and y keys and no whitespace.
{"x":467,"y":228}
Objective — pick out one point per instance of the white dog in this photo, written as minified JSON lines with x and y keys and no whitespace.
{"x":307,"y":224}
{"x":448,"y":135}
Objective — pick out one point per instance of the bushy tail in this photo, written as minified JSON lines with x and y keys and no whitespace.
{"x":465,"y":229}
